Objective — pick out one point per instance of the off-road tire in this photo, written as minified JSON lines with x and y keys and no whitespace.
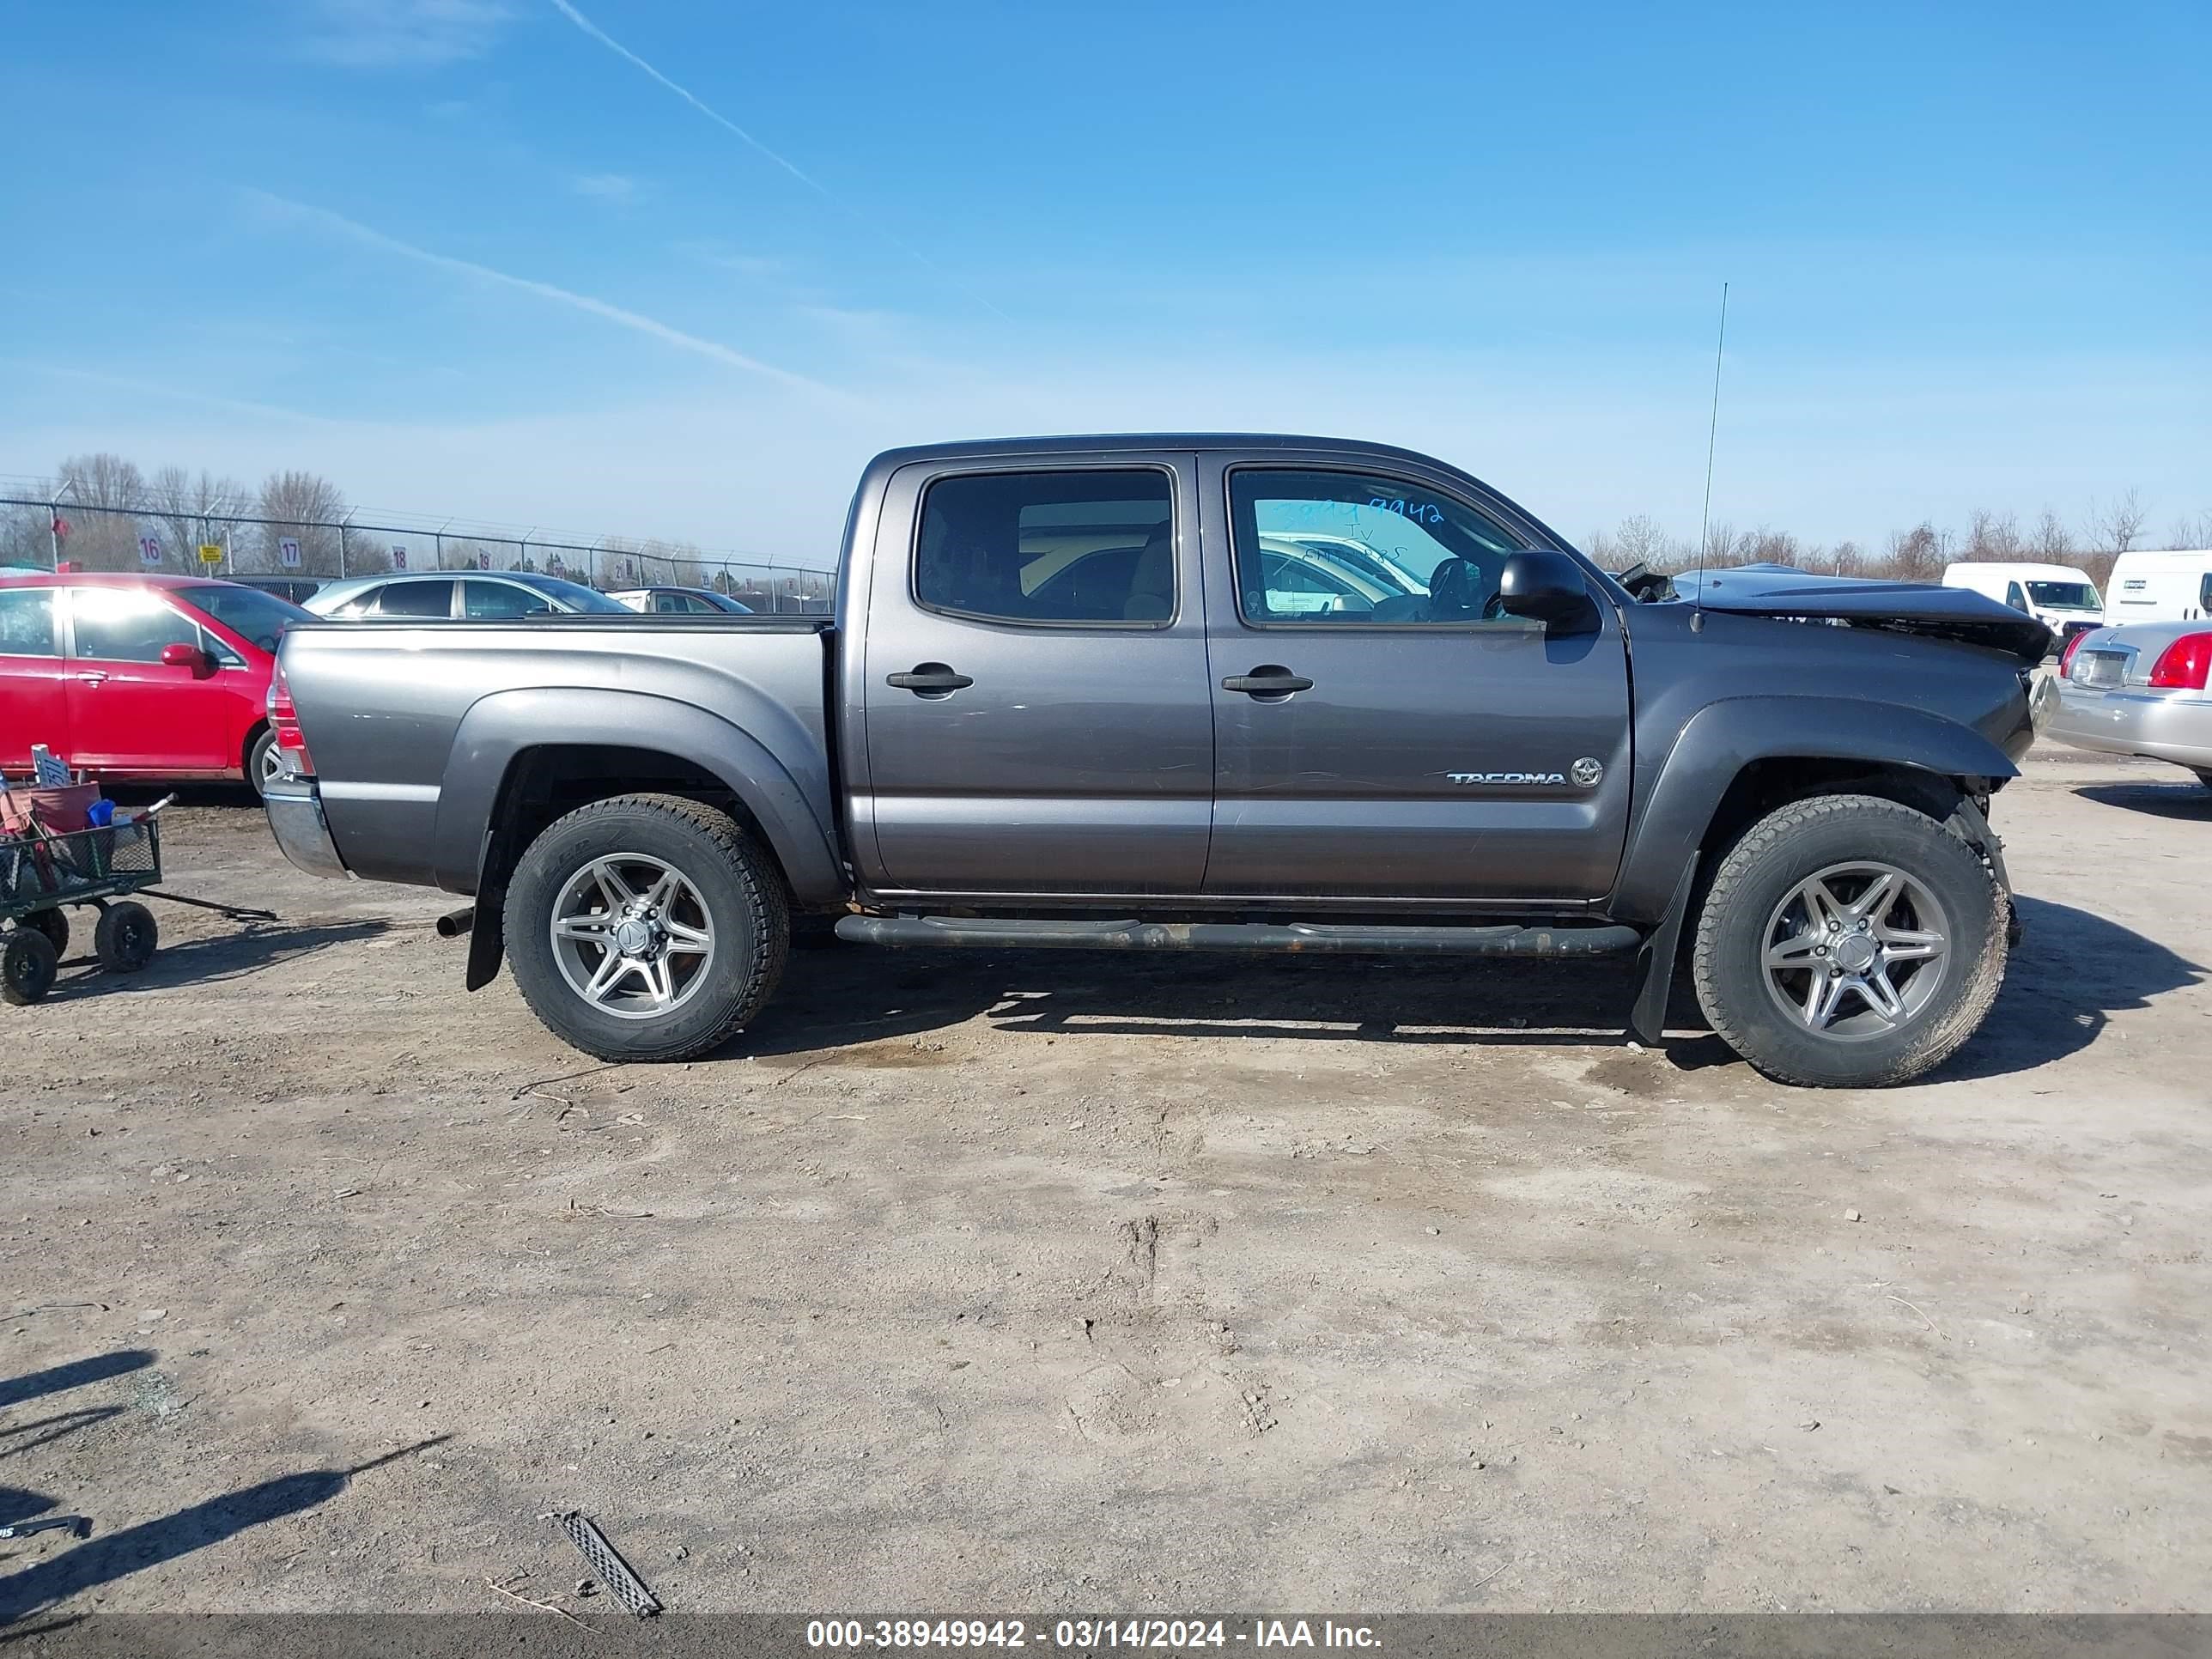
{"x":27,"y":963}
{"x":743,"y":894}
{"x":54,"y":924}
{"x":125,"y":938}
{"x":1795,"y":842}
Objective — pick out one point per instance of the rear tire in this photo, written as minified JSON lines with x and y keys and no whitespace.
{"x":126,"y":937}
{"x":710,"y":947}
{"x":28,"y":964}
{"x":1848,"y":942}
{"x":261,"y":761}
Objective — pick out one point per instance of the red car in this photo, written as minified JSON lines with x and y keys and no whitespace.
{"x":139,"y":677}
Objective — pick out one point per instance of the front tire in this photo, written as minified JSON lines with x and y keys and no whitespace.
{"x":646,"y":927}
{"x":125,"y":938}
{"x":1848,"y":942}
{"x":28,"y":964}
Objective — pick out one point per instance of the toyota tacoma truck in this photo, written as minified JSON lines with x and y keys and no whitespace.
{"x":1199,"y":693}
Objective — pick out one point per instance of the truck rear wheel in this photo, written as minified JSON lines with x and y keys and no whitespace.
{"x":646,"y":927}
{"x":1848,"y":942}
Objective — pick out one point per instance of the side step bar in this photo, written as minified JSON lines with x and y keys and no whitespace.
{"x":1303,"y":937}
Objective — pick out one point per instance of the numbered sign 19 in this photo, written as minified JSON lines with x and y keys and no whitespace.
{"x":288,"y":551}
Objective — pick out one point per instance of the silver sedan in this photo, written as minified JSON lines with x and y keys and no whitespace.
{"x":2139,"y":690}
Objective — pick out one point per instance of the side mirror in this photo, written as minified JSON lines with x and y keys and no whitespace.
{"x":178,"y":655}
{"x":1543,"y":584}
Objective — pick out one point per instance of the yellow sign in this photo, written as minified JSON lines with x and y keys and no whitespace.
{"x":211,"y":554}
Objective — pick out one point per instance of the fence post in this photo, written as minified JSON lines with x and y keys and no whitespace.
{"x":343,"y":524}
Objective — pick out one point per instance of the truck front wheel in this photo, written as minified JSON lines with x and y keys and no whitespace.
{"x":1848,"y":942}
{"x":646,"y":927}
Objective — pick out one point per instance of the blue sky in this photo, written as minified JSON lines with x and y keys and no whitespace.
{"x":475,"y":257}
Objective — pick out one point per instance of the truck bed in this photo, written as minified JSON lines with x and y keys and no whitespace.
{"x":412,"y":724}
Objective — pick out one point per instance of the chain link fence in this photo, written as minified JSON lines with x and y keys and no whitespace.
{"x":41,"y":534}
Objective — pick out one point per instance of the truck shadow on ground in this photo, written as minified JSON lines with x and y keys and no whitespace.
{"x":207,"y":961}
{"x":2191,"y":803}
{"x":2071,"y":973}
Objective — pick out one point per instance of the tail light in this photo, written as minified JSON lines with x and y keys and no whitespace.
{"x":284,"y":721}
{"x":2066,"y":657}
{"x":2185,"y":665}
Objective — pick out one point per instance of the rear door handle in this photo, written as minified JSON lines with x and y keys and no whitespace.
{"x":1267,"y":680}
{"x":930,"y":679}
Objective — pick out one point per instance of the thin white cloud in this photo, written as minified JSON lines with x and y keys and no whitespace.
{"x":402,"y":34}
{"x":617,"y":187}
{"x":338,"y":224}
{"x":568,"y":10}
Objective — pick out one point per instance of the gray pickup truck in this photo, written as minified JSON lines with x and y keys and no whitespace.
{"x":1206,"y":693}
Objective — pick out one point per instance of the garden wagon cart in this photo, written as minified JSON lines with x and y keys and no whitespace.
{"x":42,"y":874}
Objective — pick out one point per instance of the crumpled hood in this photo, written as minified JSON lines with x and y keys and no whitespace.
{"x":1950,"y":613}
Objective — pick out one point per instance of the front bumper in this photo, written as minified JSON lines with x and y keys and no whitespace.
{"x":295,"y":819}
{"x":2167,"y":726}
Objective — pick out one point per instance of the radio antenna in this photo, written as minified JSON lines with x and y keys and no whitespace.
{"x":1712,"y":436}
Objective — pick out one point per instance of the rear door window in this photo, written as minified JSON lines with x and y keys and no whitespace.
{"x":430,"y":599}
{"x":1050,"y":547}
{"x":27,"y":623}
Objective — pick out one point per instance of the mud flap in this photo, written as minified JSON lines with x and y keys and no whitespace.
{"x":1647,"y":1020}
{"x":487,"y":944}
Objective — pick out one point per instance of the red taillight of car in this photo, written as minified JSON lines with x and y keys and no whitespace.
{"x":2066,"y":657}
{"x":284,"y":721}
{"x":2185,"y":665}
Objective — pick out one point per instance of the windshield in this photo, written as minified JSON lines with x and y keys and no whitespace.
{"x":2064,"y":596}
{"x":577,"y":597}
{"x":247,"y":611}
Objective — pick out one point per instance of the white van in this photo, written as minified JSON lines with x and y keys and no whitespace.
{"x":2063,"y":599}
{"x":2159,"y":587}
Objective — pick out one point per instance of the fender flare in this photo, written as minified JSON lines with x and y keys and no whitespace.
{"x":498,"y":728}
{"x":1716,"y":744}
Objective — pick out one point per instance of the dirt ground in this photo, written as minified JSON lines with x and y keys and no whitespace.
{"x":1039,"y":1280}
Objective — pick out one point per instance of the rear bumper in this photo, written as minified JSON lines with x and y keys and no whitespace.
{"x":295,"y":819}
{"x":2168,"y":725}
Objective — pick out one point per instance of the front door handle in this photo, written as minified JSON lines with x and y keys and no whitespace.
{"x":93,"y":677}
{"x":930,"y":679}
{"x":1269,"y":680}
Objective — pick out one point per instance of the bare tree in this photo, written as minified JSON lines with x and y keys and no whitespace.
{"x":2051,"y":540}
{"x":1846,"y":559}
{"x":1918,"y":555}
{"x":189,"y":509}
{"x":1768,"y":546}
{"x":105,"y":495}
{"x":1993,"y":536}
{"x":304,"y":507}
{"x":2116,"y":528}
{"x":2191,"y":532}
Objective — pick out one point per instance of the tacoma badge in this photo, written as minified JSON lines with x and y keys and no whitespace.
{"x":1490,"y":778}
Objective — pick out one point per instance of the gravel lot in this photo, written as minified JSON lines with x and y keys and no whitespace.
{"x":1039,"y":1281}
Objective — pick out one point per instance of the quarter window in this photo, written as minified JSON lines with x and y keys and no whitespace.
{"x":1064,"y":546}
{"x":1363,"y":548}
{"x":27,"y":623}
{"x":496,"y":600}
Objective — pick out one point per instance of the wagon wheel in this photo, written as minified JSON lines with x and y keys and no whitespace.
{"x":27,"y":961}
{"x":125,"y":938}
